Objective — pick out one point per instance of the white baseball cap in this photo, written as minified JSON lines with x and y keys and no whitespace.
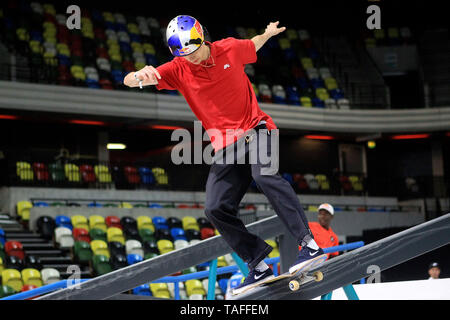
{"x":327,"y":207}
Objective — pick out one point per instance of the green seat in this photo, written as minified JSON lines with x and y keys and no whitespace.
{"x":189,"y":270}
{"x":6,"y":291}
{"x":57,"y":204}
{"x":97,"y":234}
{"x":150,"y":255}
{"x":56,"y":172}
{"x":101,"y":264}
{"x":147,"y":235}
{"x":82,"y":251}
{"x":140,"y":205}
{"x":110,"y":205}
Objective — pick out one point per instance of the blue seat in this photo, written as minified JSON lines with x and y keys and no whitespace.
{"x":40,"y":204}
{"x":147,"y":176}
{"x":337,"y":94}
{"x":160,"y":222}
{"x":288,"y":178}
{"x":316,"y":102}
{"x":2,"y":237}
{"x":317,"y":83}
{"x":289,"y":54}
{"x":63,"y":221}
{"x":125,"y":46}
{"x":95,"y":205}
{"x":121,"y":27}
{"x":303,"y":83}
{"x":142,"y":290}
{"x":134,"y":258}
{"x":178,"y":234}
{"x":236,"y":279}
{"x":223,"y":284}
{"x":151,"y":59}
{"x":135,"y":38}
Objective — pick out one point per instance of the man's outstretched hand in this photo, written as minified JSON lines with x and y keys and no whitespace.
{"x":272,"y":29}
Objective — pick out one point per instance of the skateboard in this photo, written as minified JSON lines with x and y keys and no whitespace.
{"x":302,"y":275}
{"x":298,"y":278}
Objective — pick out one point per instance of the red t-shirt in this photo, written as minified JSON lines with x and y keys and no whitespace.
{"x":221,"y":96}
{"x":323,"y":237}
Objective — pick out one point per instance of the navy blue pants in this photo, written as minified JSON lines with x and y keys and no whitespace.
{"x":226,"y":186}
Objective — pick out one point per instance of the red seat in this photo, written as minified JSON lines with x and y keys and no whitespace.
{"x":14,"y":248}
{"x":28,"y":287}
{"x":345,"y":183}
{"x":132,"y":175}
{"x":40,"y":171}
{"x":206,"y":233}
{"x":113,"y":221}
{"x":87,"y":172}
{"x":80,"y":234}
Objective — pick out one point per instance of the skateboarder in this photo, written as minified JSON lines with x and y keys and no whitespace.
{"x":211,"y":77}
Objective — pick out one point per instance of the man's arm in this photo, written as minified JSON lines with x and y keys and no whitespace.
{"x":271,"y":30}
{"x":148,"y":75}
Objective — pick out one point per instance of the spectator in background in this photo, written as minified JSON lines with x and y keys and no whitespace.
{"x":434,"y":270}
{"x":322,"y":232}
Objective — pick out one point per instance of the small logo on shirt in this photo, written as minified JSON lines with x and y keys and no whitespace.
{"x":226,"y":66}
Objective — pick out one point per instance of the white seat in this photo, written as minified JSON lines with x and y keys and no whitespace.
{"x":249,"y":70}
{"x":312,"y":73}
{"x":343,"y":104}
{"x":134,"y":247}
{"x":63,"y":237}
{"x":194,"y":241}
{"x":50,"y":275}
{"x":196,"y":296}
{"x":153,"y":23}
{"x":180,"y":244}
{"x":303,"y":34}
{"x":331,"y":104}
{"x":325,"y":73}
{"x":278,"y":91}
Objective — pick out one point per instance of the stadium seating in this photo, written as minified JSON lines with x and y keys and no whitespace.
{"x":23,"y":210}
{"x":64,"y":238}
{"x":15,"y":249}
{"x":32,"y":277}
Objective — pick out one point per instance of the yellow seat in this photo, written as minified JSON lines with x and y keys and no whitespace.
{"x":190,"y":223}
{"x":32,"y":277}
{"x":393,"y":33}
{"x":23,"y":209}
{"x":24,"y":171}
{"x":139,"y":65}
{"x":80,"y":222}
{"x":322,"y":94}
{"x":291,"y":34}
{"x":145,"y":222}
{"x":272,"y":243}
{"x":331,"y":83}
{"x":126,"y":205}
{"x":356,"y":183}
{"x":149,"y":48}
{"x":221,"y":262}
{"x":313,"y":208}
{"x":71,"y":170}
{"x":1,"y":265}
{"x":379,"y":34}
{"x":194,"y":286}
{"x":97,"y":222}
{"x":306,"y":101}
{"x":307,"y":63}
{"x":284,"y":43}
{"x":165,"y":246}
{"x":160,"y":176}
{"x":370,"y":43}
{"x":12,"y":278}
{"x":99,"y":247}
{"x":103,"y":174}
{"x":323,"y":181}
{"x":114,"y":234}
{"x":274,"y":253}
{"x":160,"y":290}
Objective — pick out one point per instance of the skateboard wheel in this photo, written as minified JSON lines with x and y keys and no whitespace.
{"x":318,"y":276}
{"x":294,"y":285}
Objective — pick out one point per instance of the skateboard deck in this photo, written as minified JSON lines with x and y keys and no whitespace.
{"x":299,"y":277}
{"x":302,"y":275}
